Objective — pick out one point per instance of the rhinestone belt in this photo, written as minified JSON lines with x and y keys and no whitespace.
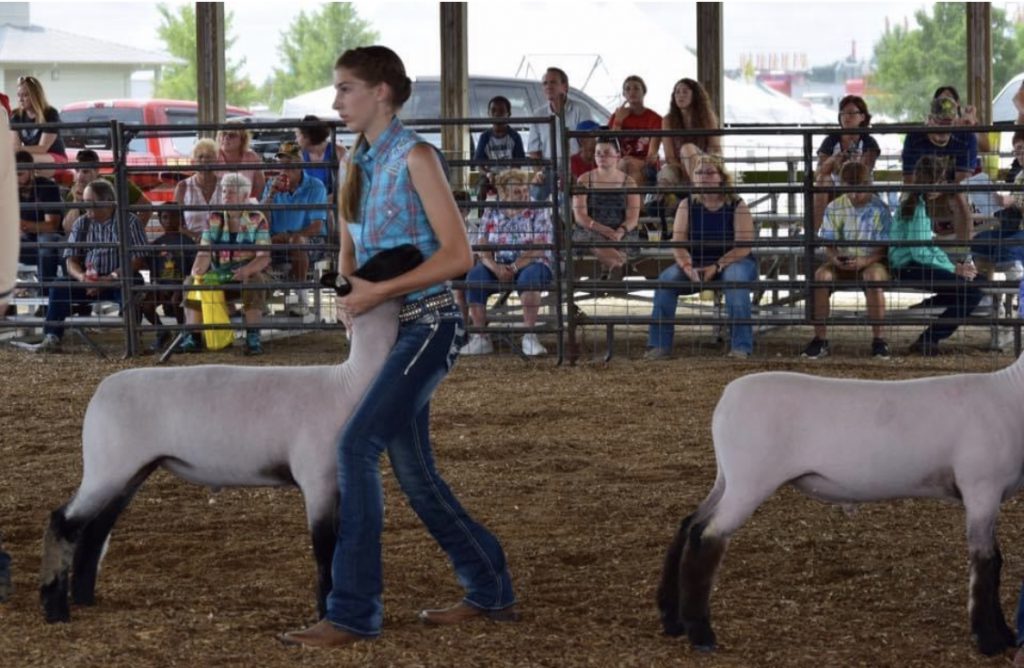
{"x":418,"y":309}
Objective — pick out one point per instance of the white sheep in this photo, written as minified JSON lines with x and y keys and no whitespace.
{"x":958,"y":437}
{"x":215,"y":425}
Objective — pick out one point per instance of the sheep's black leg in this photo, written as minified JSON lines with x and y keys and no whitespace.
{"x":58,"y":548}
{"x":668,"y":590}
{"x":700,"y":560}
{"x":89,"y":550}
{"x":324,"y":534}
{"x":988,"y":624}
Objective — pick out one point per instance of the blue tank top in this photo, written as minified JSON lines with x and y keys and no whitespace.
{"x":390,"y":209}
{"x":711,"y":232}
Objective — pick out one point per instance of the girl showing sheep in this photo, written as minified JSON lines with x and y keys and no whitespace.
{"x":396,"y":192}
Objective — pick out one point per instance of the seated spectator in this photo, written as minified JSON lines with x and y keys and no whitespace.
{"x":528,"y":269}
{"x":639,"y":154}
{"x":582,"y":161}
{"x":555,"y":83}
{"x":968,"y":116}
{"x":87,"y":266}
{"x":46,"y":145}
{"x":948,"y":280}
{"x":852,"y":218}
{"x":499,"y":142}
{"x":233,"y":142}
{"x":958,"y":150}
{"x":604,"y":212}
{"x":244,"y":265}
{"x":713,"y":224}
{"x":1005,"y":243}
{"x":689,"y":108}
{"x":169,"y":264}
{"x":200,"y":189}
{"x":39,"y":200}
{"x":838,"y":149}
{"x":316,"y":145}
{"x":86,"y":174}
{"x":305,"y":225}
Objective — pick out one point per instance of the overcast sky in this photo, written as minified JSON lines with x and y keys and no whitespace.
{"x":603,"y":37}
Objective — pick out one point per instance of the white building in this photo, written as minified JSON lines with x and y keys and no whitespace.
{"x":70,"y":67}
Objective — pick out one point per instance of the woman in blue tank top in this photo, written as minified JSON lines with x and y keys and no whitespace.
{"x":716,"y":225}
{"x":396,"y":192}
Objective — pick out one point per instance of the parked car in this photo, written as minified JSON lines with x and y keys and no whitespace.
{"x":1003,"y":111}
{"x":157,"y":150}
{"x":425,"y":102}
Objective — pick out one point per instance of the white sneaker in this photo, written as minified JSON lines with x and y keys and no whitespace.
{"x":532,"y":346}
{"x":49,"y":344}
{"x":479,"y":344}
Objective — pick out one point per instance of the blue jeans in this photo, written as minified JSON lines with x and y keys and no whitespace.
{"x":481,"y":281}
{"x":956,"y":294}
{"x":998,"y":246}
{"x":737,"y":305}
{"x":47,"y":260}
{"x":394,"y":416}
{"x":61,"y":299}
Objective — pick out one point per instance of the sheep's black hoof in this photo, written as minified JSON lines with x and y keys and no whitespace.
{"x":991,"y":644}
{"x":701,"y":636}
{"x":84,"y":598}
{"x":673,"y":627}
{"x":55,"y":603}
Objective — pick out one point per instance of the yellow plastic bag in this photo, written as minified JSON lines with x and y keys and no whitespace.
{"x":215,"y":312}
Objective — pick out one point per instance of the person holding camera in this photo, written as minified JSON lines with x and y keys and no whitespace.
{"x":300,"y":225}
{"x":840,"y":148}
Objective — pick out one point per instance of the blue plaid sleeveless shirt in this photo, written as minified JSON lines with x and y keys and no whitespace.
{"x":390,"y":210}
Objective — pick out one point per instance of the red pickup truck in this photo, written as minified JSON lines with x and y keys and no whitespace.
{"x":173,"y":148}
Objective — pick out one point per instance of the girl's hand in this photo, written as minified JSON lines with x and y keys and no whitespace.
{"x":364,"y":296}
{"x":969,"y":115}
{"x":692,"y":274}
{"x":343,"y":316}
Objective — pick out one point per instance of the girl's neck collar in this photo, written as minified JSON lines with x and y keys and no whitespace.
{"x":377,"y":127}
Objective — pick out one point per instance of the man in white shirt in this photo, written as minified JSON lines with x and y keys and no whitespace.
{"x":556,"y":90}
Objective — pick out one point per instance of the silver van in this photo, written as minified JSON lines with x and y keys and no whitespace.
{"x":526,"y":95}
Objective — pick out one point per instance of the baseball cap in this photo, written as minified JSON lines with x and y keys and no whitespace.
{"x":289,"y":150}
{"x":586,"y":126}
{"x":944,"y":108}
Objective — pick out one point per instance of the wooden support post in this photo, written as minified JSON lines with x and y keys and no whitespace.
{"x":979,"y":59}
{"x":455,"y":85}
{"x":709,"y":53}
{"x":210,"y":62}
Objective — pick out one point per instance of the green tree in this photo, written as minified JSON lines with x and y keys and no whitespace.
{"x":310,"y":46}
{"x":909,"y":64}
{"x":178,"y":32}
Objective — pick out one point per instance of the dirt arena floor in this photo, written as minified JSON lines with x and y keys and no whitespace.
{"x":584,"y":472}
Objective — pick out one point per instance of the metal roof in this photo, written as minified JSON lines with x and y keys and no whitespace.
{"x":36,"y":44}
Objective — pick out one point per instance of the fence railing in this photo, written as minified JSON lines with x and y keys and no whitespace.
{"x":786,"y":238}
